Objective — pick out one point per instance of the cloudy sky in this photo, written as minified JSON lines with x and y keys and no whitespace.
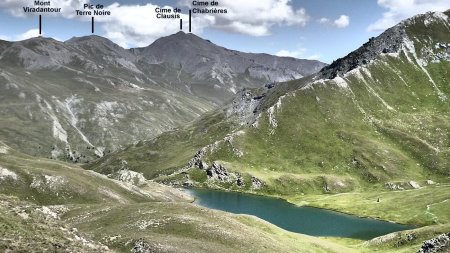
{"x":313,"y":29}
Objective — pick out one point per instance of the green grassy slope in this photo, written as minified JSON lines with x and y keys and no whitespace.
{"x":47,"y":205}
{"x":360,"y":143}
{"x":49,"y":182}
{"x":179,"y":227}
{"x":25,"y":227}
{"x":169,"y":151}
{"x":384,"y":122}
{"x":379,"y":127}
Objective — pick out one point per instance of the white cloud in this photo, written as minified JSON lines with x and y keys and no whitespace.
{"x":288,"y":53}
{"x":342,"y":22}
{"x":137,"y":25}
{"x":300,"y":54}
{"x":397,"y":10}
{"x":23,"y":36}
{"x":68,"y":7}
{"x":28,"y":34}
{"x":324,"y":21}
{"x":314,"y":57}
{"x":256,"y":17}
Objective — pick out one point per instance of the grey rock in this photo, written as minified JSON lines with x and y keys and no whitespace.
{"x":393,"y":186}
{"x":240,"y":182}
{"x":388,"y":42}
{"x":188,"y":183}
{"x":414,"y":184}
{"x":257,"y":183}
{"x":141,"y":246}
{"x":438,"y":244}
{"x":430,"y":182}
{"x":218,"y":172}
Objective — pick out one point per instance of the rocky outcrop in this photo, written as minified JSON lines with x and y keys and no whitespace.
{"x":257,"y":183}
{"x":141,"y":246}
{"x":129,"y":176}
{"x":438,"y":244}
{"x":393,"y":186}
{"x":399,"y":186}
{"x":218,"y":172}
{"x":389,"y":42}
{"x":242,"y":108}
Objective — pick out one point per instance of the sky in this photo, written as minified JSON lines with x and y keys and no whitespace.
{"x":310,"y":29}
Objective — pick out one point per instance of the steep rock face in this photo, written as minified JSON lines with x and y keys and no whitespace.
{"x":87,"y":97}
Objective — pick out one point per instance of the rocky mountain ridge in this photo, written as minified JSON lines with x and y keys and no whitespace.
{"x":85,"y":97}
{"x":392,"y":41}
{"x":206,"y":60}
{"x":324,"y":133}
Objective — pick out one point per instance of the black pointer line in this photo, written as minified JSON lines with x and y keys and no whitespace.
{"x":40,"y":24}
{"x":92,"y":25}
{"x":181,"y":24}
{"x":190,"y":20}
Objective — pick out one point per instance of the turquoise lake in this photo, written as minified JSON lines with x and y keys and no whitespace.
{"x":305,"y":220}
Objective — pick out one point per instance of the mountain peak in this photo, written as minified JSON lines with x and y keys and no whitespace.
{"x":92,"y":40}
{"x":181,"y":37}
{"x":390,"y":41}
{"x":38,"y":39}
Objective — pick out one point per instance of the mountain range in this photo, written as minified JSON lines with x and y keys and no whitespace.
{"x":85,"y":97}
{"x":366,"y":135}
{"x":377,"y":115}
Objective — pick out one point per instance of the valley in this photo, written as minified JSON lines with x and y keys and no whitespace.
{"x":182,"y":145}
{"x":371,"y":142}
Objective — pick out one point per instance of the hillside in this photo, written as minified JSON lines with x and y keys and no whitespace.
{"x":375,"y":121}
{"x":83,"y":98}
{"x":47,"y":205}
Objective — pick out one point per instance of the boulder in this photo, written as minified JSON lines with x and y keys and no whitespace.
{"x":217,"y":171}
{"x":430,"y":182}
{"x":141,"y":246}
{"x":438,"y":244}
{"x":393,"y":186}
{"x":240,"y":181}
{"x":414,"y":184}
{"x":257,"y":183}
